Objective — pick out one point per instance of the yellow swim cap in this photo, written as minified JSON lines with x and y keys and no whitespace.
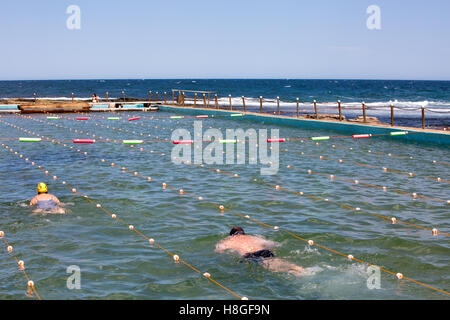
{"x":42,"y":188}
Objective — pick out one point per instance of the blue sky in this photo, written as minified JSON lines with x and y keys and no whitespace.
{"x":225,"y":39}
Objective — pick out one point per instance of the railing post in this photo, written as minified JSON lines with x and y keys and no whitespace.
{"x":182,"y":98}
{"x":260,"y":104}
{"x":123,"y":96}
{"x":340,"y":110}
{"x":298,"y":107}
{"x":278,"y":105}
{"x":72,"y":97}
{"x":364,"y":111}
{"x":315,"y":109}
{"x":35,"y":97}
{"x":231,"y":106}
{"x":216,"y":101}
{"x":204,"y":100}
{"x":165,"y":97}
{"x":243,"y":103}
{"x":150,"y":95}
{"x":173,"y":97}
{"x":195,"y":99}
{"x":107,"y":96}
{"x":392,"y":115}
{"x":423,"y":118}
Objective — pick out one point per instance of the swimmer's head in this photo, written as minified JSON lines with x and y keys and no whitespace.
{"x":42,"y":188}
{"x":236,"y":230}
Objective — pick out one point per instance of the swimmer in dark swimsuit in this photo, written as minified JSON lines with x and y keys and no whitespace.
{"x":256,"y":249}
{"x":259,"y":255}
{"x":46,"y":202}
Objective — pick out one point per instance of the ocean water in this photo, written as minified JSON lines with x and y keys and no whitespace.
{"x":408,"y":97}
{"x":116,"y":263}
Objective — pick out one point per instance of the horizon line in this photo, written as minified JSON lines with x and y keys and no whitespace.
{"x":287,"y":79}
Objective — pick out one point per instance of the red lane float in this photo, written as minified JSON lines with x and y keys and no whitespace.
{"x":361,"y":136}
{"x":276,"y":140}
{"x":82,"y":118}
{"x":135,"y":118}
{"x":83,"y":141}
{"x":182,"y":141}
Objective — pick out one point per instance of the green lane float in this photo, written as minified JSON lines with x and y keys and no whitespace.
{"x":30,"y":139}
{"x":320,"y":138}
{"x":132,"y":141}
{"x":399,"y":133}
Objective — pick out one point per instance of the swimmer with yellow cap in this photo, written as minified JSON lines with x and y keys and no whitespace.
{"x":44,"y":201}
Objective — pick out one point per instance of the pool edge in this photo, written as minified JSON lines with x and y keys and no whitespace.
{"x":351,"y":128}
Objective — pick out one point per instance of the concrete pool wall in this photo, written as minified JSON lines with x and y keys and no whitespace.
{"x":427,"y":136}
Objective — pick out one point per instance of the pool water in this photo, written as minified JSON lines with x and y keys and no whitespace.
{"x":116,"y":263}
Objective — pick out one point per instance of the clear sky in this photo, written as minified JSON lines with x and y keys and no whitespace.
{"x":225,"y":39}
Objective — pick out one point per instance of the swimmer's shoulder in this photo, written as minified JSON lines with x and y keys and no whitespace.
{"x":54,"y":197}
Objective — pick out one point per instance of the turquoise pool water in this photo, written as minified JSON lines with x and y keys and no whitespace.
{"x":116,"y":263}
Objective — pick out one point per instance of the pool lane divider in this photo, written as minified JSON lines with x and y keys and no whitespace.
{"x":31,"y":288}
{"x":355,"y":136}
{"x":414,"y":195}
{"x":399,"y":133}
{"x":352,"y":128}
{"x":310,"y":242}
{"x":276,"y":228}
{"x":360,"y":136}
{"x":133,"y":141}
{"x":394,"y":220}
{"x":384,"y":189}
{"x":384,"y":169}
{"x":355,"y":181}
{"x":30,"y":139}
{"x":83,"y":140}
{"x":114,"y":216}
{"x":410,"y":174}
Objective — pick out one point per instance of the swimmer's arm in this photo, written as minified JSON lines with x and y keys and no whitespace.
{"x":33,"y":201}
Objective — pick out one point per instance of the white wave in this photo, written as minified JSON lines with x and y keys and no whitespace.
{"x":311,"y":271}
